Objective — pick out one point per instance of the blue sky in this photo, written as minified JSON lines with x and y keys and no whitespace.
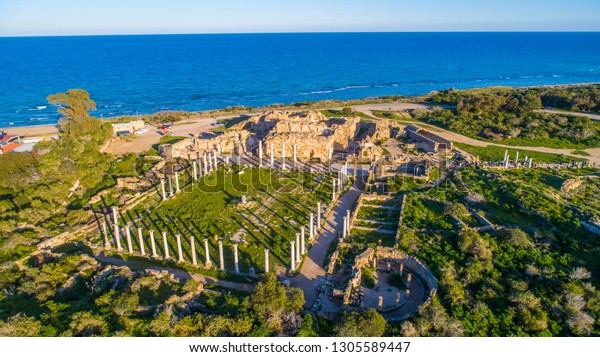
{"x":82,"y":17}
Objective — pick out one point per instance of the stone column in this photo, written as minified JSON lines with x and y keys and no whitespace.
{"x":318,"y":215}
{"x":295,"y":155}
{"x":199,"y":164}
{"x":302,"y":233}
{"x":221,"y":260}
{"x":401,"y":269}
{"x":128,"y":235}
{"x":272,"y":156}
{"x":344,"y":228}
{"x":219,"y":148}
{"x":206,"y":252}
{"x":302,"y":244}
{"x":179,"y":250}
{"x":235,"y":258}
{"x":205,"y":163}
{"x":216,"y":160}
{"x":348,"y":220}
{"x":266,"y":260}
{"x":333,"y":191}
{"x":164,"y":192}
{"x":115,"y":215}
{"x":195,"y":171}
{"x":153,"y":244}
{"x":292,"y":258}
{"x":176,"y":181}
{"x":530,"y":162}
{"x":116,"y":228}
{"x":105,"y":232}
{"x":517,"y":158}
{"x":506,"y":162}
{"x":118,"y":238}
{"x":193,"y":246}
{"x":260,"y":153}
{"x":166,"y":245}
{"x":298,"y":250}
{"x":398,"y":298}
{"x":141,"y":237}
{"x":380,"y":303}
{"x":407,"y":294}
{"x":408,"y":279}
{"x":171,"y":185}
{"x":311,"y":228}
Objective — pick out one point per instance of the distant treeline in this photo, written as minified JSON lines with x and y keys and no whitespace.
{"x":508,"y":114}
{"x":519,"y":100}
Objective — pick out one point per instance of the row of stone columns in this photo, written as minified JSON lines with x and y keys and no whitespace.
{"x":200,"y":167}
{"x":298,"y":246}
{"x":167,"y":255}
{"x":272,"y":156}
{"x":398,"y":298}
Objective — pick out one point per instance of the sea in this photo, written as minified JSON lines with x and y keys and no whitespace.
{"x":129,"y":75}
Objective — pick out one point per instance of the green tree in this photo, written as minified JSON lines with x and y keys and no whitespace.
{"x":20,"y":326}
{"x":307,"y":327}
{"x":276,"y":305}
{"x":74,"y":106}
{"x":366,"y":324}
{"x":347,"y":111}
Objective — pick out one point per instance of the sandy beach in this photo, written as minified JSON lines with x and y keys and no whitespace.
{"x":35,"y":130}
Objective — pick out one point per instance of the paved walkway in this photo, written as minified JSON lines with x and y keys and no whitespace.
{"x":178,"y":273}
{"x":312,"y":272}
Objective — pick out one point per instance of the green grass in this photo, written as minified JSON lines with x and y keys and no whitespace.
{"x":334,"y":113}
{"x":278,"y":204}
{"x":496,"y":153}
{"x":580,"y":152}
{"x":367,"y":278}
{"x":422,"y":213}
{"x":379,"y":214}
{"x":169,"y":139}
{"x":362,"y":239}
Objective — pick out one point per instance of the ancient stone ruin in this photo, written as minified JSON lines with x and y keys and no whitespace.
{"x":305,"y":135}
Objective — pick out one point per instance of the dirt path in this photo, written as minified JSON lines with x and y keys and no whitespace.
{"x":178,"y":273}
{"x":312,"y":272}
{"x":564,"y":112}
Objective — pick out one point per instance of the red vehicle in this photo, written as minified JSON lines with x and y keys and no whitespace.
{"x":164,"y":129}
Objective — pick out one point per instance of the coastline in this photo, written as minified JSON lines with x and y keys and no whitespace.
{"x":52,"y":129}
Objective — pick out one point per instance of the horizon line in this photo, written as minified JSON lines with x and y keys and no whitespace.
{"x":294,"y":32}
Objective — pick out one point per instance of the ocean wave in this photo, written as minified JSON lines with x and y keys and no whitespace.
{"x":350,"y":87}
{"x":41,"y":107}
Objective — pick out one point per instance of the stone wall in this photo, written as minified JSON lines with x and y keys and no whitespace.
{"x":399,"y":230}
{"x":411,"y":264}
